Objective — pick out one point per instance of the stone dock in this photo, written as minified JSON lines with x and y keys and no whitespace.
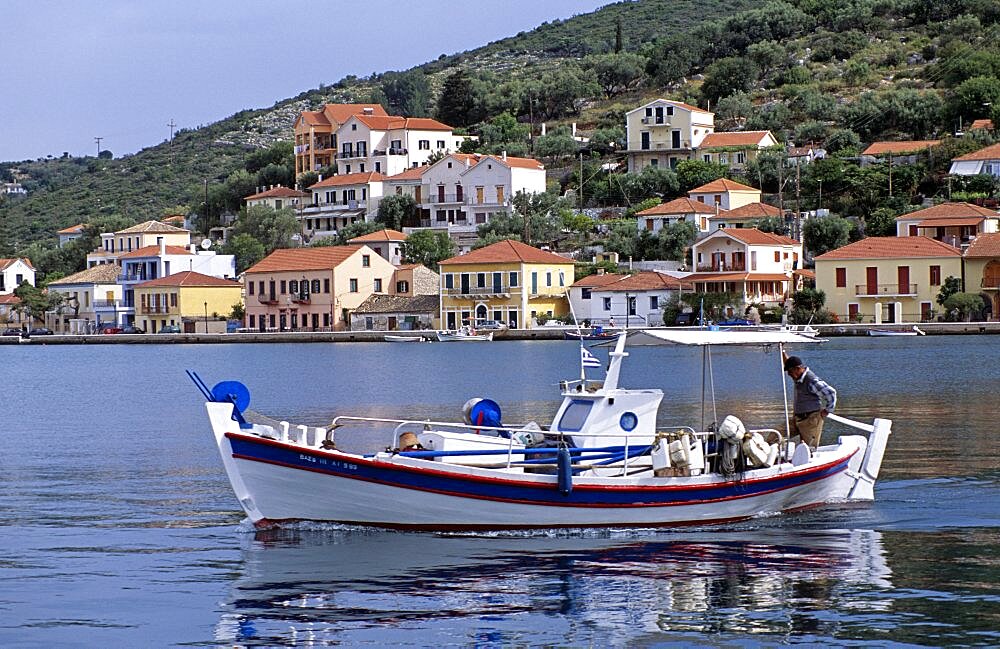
{"x":540,"y":333}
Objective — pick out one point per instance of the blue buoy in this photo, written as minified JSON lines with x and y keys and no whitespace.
{"x":565,"y":465}
{"x":485,"y":413}
{"x":232,"y":392}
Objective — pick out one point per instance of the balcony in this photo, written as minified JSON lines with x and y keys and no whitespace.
{"x":156,"y":309}
{"x":885,"y":290}
{"x":107,"y":304}
{"x":398,"y":151}
{"x":267,"y":298}
{"x":300,"y":298}
{"x":131,"y":277}
{"x":478,"y":291}
{"x":719,"y":268}
{"x":440,"y":199}
{"x":349,"y":154}
{"x":656,"y":121}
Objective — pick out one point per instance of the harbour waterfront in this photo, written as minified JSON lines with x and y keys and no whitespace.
{"x":120,"y":528}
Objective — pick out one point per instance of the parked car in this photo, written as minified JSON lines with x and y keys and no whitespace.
{"x":132,"y":330}
{"x":40,"y":331}
{"x":170,"y":329}
{"x":490,"y":325}
{"x":11,"y":332}
{"x":110,"y":329}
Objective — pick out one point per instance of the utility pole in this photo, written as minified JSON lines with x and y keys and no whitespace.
{"x":581,"y":182}
{"x":890,"y":174}
{"x":798,"y":205}
{"x":98,"y":140}
{"x":171,"y":124}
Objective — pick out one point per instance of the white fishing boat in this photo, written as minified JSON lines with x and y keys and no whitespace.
{"x":601,"y":462}
{"x":916,"y":331}
{"x":465,"y":334}
{"x":392,"y":338}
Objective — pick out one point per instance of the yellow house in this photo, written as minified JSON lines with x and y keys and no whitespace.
{"x":886,"y":279}
{"x":982,"y":269}
{"x":508,"y":281}
{"x":190,"y":300}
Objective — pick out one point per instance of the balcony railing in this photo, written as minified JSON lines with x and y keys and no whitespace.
{"x":717,"y":268}
{"x":398,"y":151}
{"x":347,"y":154}
{"x":885,"y":289}
{"x":503,"y":289}
{"x":656,"y":121}
{"x":131,"y":277}
{"x":107,"y":304}
{"x":267,"y":298}
{"x":157,"y":308}
{"x":438,"y":199}
{"x":300,"y":298}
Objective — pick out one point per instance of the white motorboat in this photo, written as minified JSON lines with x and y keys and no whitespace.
{"x":916,"y":331}
{"x":466,"y":334}
{"x":602,"y":461}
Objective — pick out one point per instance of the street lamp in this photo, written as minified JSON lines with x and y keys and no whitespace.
{"x":206,"y":317}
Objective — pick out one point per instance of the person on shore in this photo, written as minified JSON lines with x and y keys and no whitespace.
{"x":814,"y":399}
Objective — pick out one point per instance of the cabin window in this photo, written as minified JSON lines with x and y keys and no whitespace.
{"x":575,"y":415}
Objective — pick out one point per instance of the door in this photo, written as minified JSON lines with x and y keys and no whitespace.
{"x":416,"y":194}
{"x":479,"y":195}
{"x":913,"y":230}
{"x":903,"y":277}
{"x":497,"y":282}
{"x":871,"y":280}
{"x":440,"y":193}
{"x":739,"y":261}
{"x":675,"y":139}
{"x":392,"y":323}
{"x":645,"y":140}
{"x":852,"y":311}
{"x":450,"y":318}
{"x":500,"y":195}
{"x":465,"y":283}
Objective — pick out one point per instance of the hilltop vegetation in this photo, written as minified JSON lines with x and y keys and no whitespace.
{"x":838,"y":74}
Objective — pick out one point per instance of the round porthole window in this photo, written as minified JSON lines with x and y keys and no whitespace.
{"x":628,"y":421}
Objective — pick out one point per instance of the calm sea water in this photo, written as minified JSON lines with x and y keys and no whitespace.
{"x":119,"y":528}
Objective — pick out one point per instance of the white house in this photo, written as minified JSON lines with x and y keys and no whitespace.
{"x":278,"y":197}
{"x":634,"y":299}
{"x":492,"y":181}
{"x":340,"y":200}
{"x":727,"y":194}
{"x":952,"y":223}
{"x":13,"y":272}
{"x":136,"y":237}
{"x":386,"y":243}
{"x":71,"y":233}
{"x":389,"y":144}
{"x":90,"y":297}
{"x":664,"y":132}
{"x":983,"y":161}
{"x":678,"y":210}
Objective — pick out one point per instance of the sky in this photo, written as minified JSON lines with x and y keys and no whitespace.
{"x":124,"y":70}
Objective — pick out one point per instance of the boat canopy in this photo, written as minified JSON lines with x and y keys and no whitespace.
{"x":645,"y":337}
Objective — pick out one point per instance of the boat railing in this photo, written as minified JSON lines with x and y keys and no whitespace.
{"x":868,"y":428}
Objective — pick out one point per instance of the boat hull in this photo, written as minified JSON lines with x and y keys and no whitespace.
{"x":280,"y":481}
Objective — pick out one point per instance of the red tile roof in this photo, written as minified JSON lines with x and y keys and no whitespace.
{"x":945,"y":223}
{"x":752,"y":211}
{"x":277,"y":192}
{"x":7,"y":262}
{"x":991,"y":152}
{"x":755,"y":237}
{"x":298,"y":259}
{"x":394,"y":122}
{"x":733,"y":138}
{"x":591,"y":281}
{"x":899,"y":148}
{"x":722,"y":185}
{"x":350,"y":179}
{"x":73,"y":229}
{"x":892,"y":248}
{"x":388,"y":234}
{"x":151,"y":226}
{"x":507,"y":251}
{"x":9,"y":298}
{"x":949,"y":211}
{"x":153,"y":251}
{"x":339,"y":113}
{"x":734,"y":277}
{"x":984,"y":245}
{"x":680,"y":206}
{"x":646,"y":281}
{"x":511,"y":161}
{"x":189,"y":278}
{"x":981,"y":123}
{"x":412,"y":173}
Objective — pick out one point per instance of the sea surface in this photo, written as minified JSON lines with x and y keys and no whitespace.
{"x":118,"y":527}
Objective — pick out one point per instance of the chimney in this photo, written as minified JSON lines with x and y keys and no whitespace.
{"x":320,"y":178}
{"x":162,"y":244}
{"x":600,"y":271}
{"x":543,"y":128}
{"x":505,"y":156}
{"x":193,"y":249}
{"x":574,"y":129}
{"x":368,"y":110}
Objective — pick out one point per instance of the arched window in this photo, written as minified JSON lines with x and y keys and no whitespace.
{"x":481,"y":312}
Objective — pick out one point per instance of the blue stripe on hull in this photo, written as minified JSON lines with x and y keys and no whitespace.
{"x":514,"y":490}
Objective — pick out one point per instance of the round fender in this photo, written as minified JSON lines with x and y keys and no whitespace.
{"x":232,"y":392}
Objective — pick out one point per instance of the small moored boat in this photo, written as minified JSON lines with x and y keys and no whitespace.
{"x":391,"y":338}
{"x":466,"y":334}
{"x":916,"y":331}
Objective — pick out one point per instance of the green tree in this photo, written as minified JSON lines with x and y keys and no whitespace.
{"x":951,"y":286}
{"x":774,"y":224}
{"x":35,"y":301}
{"x":557,"y":143}
{"x":714,"y":304}
{"x":728,"y":76}
{"x":676,"y":239}
{"x":695,"y":173}
{"x":607,"y":140}
{"x":247,"y":250}
{"x":616,"y":73}
{"x":457,"y":104}
{"x":965,"y":306}
{"x":408,"y":93}
{"x":272,"y":228}
{"x":974,"y":98}
{"x":503,"y":131}
{"x":396,"y":210}
{"x":824,"y":234}
{"x":428,"y":247}
{"x":881,"y":223}
{"x":351,"y":231}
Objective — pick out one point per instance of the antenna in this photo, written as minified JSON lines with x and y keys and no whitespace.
{"x":98,"y":140}
{"x":206,"y":244}
{"x":171,"y":124}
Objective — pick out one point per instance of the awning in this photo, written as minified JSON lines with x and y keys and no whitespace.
{"x":944,"y":223}
{"x":645,"y":337}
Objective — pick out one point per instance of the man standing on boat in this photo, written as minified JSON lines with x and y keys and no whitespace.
{"x":814,"y":400}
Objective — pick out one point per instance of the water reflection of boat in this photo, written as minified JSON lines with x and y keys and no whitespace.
{"x":337,"y":586}
{"x":601,"y":462}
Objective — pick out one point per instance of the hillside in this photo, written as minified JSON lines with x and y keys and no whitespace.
{"x":838,"y":74}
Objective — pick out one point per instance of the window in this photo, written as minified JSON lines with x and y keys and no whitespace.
{"x":513,"y":279}
{"x":173,"y":299}
{"x":284,"y":287}
{"x":935,"y":276}
{"x":260,"y":287}
{"x":293,"y":286}
{"x":585,"y":293}
{"x":481,"y":280}
{"x":841,"y":278}
{"x":548,"y":279}
{"x":575,"y":415}
{"x":654,"y":302}
{"x":326,"y":285}
{"x":250,"y":288}
{"x":607,"y":304}
{"x":396,"y":146}
{"x":440,"y":144}
{"x":777,"y":256}
{"x":315,"y":286}
{"x":378,"y":285}
{"x":449,"y":281}
{"x":424,"y":145}
{"x":402,"y":286}
{"x":353,"y":285}
{"x":366,"y":261}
